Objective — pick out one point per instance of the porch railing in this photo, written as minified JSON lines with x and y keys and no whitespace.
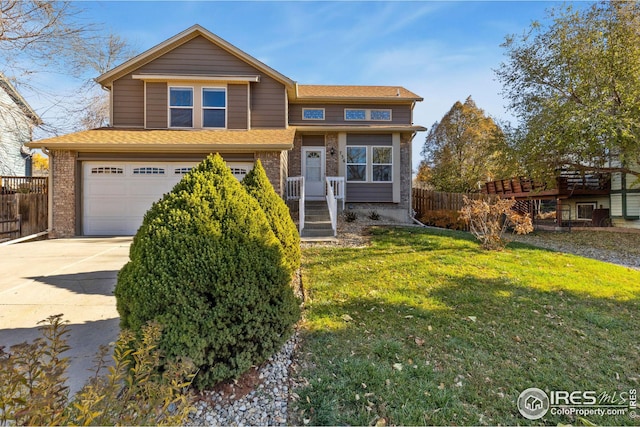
{"x":295,"y":191}
{"x":336,"y":183}
{"x":332,"y":204}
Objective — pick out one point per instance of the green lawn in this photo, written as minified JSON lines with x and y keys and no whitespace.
{"x":424,"y":327}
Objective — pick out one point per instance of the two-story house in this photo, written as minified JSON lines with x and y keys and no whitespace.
{"x":196,"y":94}
{"x":17,"y":120}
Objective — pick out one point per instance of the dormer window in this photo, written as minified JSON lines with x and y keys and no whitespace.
{"x":181,"y":107}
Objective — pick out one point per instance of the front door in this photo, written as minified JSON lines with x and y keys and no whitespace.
{"x":313,"y":164}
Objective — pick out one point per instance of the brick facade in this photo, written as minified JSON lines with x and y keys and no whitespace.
{"x":295,"y":157}
{"x":63,"y":173}
{"x":273,"y":163}
{"x":405,"y":171}
{"x":331,"y":141}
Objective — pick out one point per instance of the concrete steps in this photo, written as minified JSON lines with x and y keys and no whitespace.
{"x":317,"y":222}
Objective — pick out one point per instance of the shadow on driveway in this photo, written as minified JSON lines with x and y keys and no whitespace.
{"x":90,"y":283}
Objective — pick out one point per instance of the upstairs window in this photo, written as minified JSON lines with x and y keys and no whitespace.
{"x":214,"y":107}
{"x":367,"y":115}
{"x":380,"y":115}
{"x":313,"y":113}
{"x":350,"y":114}
{"x":180,"y":107}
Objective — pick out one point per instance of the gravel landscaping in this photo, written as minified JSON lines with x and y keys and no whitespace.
{"x":258,"y":398}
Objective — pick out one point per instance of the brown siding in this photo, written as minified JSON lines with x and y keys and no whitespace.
{"x":364,"y":139}
{"x":128,"y":102}
{"x":313,"y":140}
{"x":238,"y":106}
{"x":156,"y":105}
{"x":199,"y":56}
{"x":268,"y":104}
{"x":370,"y":192}
{"x":366,"y":192}
{"x":334,"y":113}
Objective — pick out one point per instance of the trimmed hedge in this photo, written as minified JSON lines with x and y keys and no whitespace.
{"x":257,"y":184}
{"x":207,"y":267}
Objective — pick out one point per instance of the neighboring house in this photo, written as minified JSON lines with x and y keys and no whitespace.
{"x":196,"y":94}
{"x":625,"y":200}
{"x":596,"y":200}
{"x":17,"y":120}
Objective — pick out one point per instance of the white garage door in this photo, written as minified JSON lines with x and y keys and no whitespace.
{"x":116,"y":195}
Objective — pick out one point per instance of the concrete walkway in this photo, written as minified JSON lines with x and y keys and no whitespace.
{"x":75,"y":277}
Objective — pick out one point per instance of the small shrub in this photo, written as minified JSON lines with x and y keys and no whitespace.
{"x":33,"y":391}
{"x":374,"y":215}
{"x":488,"y":221}
{"x":32,"y":381}
{"x":207,"y":267}
{"x":257,"y":184}
{"x":350,"y":216}
{"x":132,"y":392}
{"x":444,"y":219}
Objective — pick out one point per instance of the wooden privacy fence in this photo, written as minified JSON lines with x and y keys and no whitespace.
{"x":429,"y":200}
{"x":23,"y":206}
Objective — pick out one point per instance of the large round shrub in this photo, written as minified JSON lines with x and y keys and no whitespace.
{"x":257,"y":184}
{"x":206,"y":265}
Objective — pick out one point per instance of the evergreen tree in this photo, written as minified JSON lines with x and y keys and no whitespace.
{"x":206,"y":266}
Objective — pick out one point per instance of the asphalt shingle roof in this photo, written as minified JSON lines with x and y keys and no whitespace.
{"x":173,"y":139}
{"x":365,"y":92}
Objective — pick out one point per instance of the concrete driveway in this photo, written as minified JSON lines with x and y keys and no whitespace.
{"x":75,"y":277}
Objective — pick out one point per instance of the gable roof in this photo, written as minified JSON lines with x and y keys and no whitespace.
{"x":190,"y":33}
{"x":6,"y":85}
{"x":354,"y":93}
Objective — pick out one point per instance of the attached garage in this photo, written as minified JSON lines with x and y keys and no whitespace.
{"x":116,"y":195}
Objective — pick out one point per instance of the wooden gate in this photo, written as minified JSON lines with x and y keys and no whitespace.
{"x":23,"y":206}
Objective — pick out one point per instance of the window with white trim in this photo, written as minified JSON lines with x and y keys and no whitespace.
{"x":585,"y":210}
{"x":357,"y":164}
{"x":182,"y":171}
{"x":313,"y":114}
{"x":180,"y":107}
{"x":381,"y":164}
{"x":369,"y":115}
{"x":369,"y":164}
{"x":214,"y":107}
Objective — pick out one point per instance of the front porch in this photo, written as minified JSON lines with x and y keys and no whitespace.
{"x":317,"y":216}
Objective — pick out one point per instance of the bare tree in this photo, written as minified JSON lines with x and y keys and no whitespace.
{"x":38,"y":37}
{"x":38,"y":31}
{"x":99,"y":55}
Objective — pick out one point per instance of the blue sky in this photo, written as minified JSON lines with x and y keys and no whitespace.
{"x":443,"y":51}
